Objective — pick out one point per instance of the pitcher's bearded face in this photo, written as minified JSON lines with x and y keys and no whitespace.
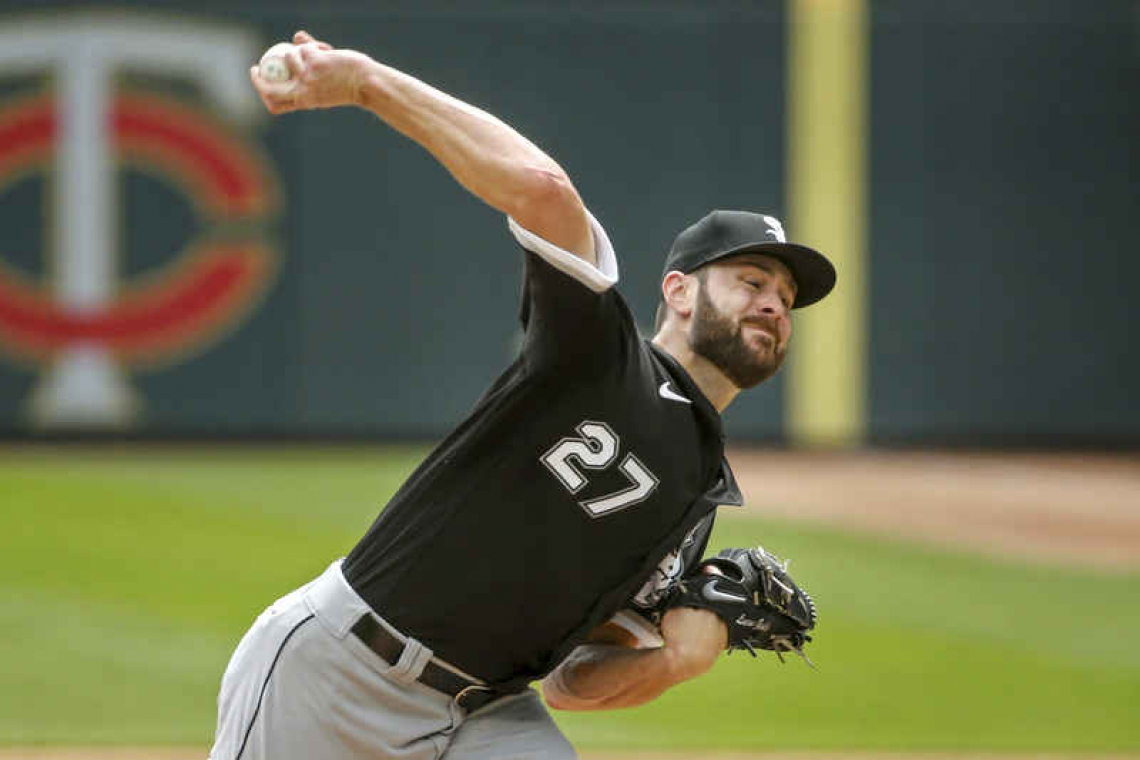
{"x":740,"y":318}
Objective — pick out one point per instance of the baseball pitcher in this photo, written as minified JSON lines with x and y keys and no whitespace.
{"x":556,"y":534}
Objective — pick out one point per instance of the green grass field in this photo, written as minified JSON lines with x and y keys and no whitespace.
{"x":126,"y":579}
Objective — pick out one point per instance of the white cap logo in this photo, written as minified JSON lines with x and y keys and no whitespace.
{"x":775,"y":229}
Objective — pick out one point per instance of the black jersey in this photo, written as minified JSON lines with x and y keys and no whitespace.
{"x":545,"y":511}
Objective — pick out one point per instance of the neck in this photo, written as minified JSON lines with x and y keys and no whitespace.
{"x":718,"y":389}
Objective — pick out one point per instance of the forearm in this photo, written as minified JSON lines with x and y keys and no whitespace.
{"x":493,"y":161}
{"x":604,"y":677}
{"x":486,"y":156}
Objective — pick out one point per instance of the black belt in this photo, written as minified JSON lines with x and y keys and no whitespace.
{"x":466,"y":693}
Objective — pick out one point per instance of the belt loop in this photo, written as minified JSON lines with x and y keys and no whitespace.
{"x":334,"y":602}
{"x":412,"y":662}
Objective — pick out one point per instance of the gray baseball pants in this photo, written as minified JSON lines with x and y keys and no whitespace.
{"x":301,"y":686}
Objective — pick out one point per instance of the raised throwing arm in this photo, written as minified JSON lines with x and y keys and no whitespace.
{"x":486,"y":156}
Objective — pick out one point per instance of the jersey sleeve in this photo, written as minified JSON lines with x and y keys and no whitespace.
{"x":573,"y":316}
{"x":597,"y":278}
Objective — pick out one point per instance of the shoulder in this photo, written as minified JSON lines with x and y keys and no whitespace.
{"x":575,"y":319}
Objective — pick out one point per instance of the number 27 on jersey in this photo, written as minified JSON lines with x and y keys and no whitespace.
{"x":596,"y":447}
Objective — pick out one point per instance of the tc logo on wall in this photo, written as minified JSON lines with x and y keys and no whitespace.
{"x":84,"y":322}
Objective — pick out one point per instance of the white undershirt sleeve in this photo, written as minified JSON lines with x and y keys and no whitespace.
{"x":646,"y":634}
{"x":597,"y":278}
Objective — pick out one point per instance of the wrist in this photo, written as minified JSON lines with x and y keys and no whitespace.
{"x":694,"y":639}
{"x":364,"y":82}
{"x":685,"y":661}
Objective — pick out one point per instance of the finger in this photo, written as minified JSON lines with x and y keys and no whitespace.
{"x":264,"y":87}
{"x":278,"y":106}
{"x":302,"y":37}
{"x":295,"y":62}
{"x":276,"y":97}
{"x":258,"y":82}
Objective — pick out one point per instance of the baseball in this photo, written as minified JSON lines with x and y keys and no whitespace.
{"x":273,"y":67}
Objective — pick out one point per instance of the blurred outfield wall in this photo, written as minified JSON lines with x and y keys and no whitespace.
{"x":175,"y":262}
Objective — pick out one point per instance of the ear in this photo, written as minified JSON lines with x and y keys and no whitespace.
{"x":679,"y":291}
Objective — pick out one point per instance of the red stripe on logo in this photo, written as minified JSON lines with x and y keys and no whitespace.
{"x":27,"y":133}
{"x":230,"y":181}
{"x":163,"y":315}
{"x":170,"y":133}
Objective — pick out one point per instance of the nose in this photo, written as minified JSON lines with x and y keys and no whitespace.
{"x":771,"y":311}
{"x":772,"y":317}
{"x":772,"y":305}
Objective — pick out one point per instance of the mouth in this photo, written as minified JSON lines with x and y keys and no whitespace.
{"x":764,"y":334}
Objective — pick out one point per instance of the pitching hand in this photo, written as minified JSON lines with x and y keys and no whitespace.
{"x":322,"y":77}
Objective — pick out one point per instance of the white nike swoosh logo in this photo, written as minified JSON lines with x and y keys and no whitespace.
{"x":708,"y":591}
{"x":669,"y":393}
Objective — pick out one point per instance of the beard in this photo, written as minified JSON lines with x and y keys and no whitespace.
{"x":717,"y":338}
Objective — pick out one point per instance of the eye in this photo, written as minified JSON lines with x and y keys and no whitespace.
{"x":754,"y":284}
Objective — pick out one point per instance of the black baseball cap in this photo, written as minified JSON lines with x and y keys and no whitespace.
{"x":721,"y":234}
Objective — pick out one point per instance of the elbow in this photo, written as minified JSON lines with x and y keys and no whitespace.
{"x":552,"y":693}
{"x":555,"y":700}
{"x":557,"y":697}
{"x":544,"y":197}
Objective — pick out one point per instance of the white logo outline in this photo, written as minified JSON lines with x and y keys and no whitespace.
{"x":777,"y":229}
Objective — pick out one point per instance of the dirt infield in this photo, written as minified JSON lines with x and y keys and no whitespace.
{"x":1055,"y":508}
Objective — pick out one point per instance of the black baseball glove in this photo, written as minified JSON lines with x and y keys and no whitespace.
{"x":753,"y":594}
